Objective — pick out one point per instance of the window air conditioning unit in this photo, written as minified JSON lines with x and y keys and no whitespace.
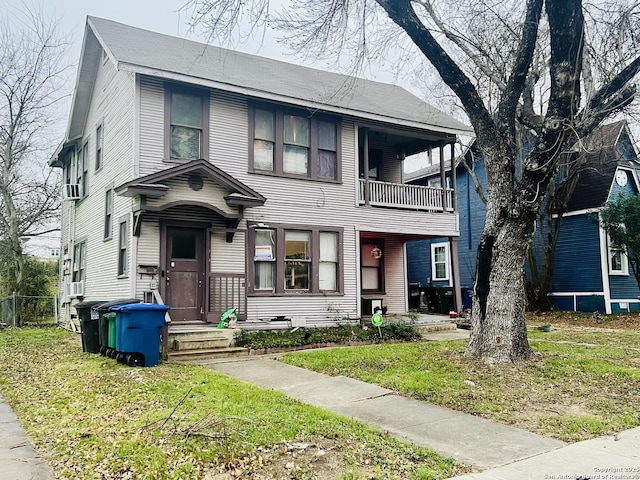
{"x":71,"y":191}
{"x":74,"y":289}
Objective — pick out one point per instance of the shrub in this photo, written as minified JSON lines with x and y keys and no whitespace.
{"x":274,"y":339}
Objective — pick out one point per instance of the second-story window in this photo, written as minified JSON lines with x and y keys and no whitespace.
{"x":187,"y":123}
{"x":292,"y":143}
{"x":99,"y":139}
{"x":82,"y":170}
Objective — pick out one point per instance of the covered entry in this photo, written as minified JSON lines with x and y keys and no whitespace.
{"x":193,"y":214}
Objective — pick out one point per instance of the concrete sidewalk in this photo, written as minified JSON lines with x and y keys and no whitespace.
{"x":498,"y":451}
{"x":18,"y":458}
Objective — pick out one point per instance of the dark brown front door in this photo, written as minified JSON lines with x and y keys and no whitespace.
{"x":185,"y":279}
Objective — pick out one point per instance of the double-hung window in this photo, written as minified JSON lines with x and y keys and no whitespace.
{"x":292,"y":143}
{"x":82,"y":170}
{"x":296,"y":260}
{"x":79,"y":262}
{"x":439,"y":261}
{"x":618,"y":263}
{"x":264,"y":260}
{"x":99,"y":142}
{"x":186,"y":123}
{"x":108,"y":212}
{"x":123,"y":243}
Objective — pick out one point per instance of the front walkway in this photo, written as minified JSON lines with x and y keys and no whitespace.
{"x":496,"y":451}
{"x":471,"y":440}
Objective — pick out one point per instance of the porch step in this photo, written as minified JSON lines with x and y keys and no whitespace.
{"x":434,"y":327}
{"x":200,"y":339}
{"x":180,"y":344}
{"x":197,"y":356}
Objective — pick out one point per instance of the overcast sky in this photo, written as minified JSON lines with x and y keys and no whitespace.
{"x":162,"y":16}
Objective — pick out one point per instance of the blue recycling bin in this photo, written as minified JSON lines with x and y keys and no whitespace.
{"x":138,"y":332}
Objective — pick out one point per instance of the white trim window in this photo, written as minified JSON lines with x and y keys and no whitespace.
{"x":439,"y":261}
{"x":618,"y":262}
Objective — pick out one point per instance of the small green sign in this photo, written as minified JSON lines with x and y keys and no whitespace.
{"x":377,"y":319}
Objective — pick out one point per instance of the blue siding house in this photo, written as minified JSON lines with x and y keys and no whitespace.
{"x":588,"y":274}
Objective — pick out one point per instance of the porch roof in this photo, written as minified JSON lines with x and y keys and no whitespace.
{"x":152,"y":185}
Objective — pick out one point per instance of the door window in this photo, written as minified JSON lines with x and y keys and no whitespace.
{"x":183,"y":246}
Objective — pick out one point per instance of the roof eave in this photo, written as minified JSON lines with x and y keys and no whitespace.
{"x":180,"y":77}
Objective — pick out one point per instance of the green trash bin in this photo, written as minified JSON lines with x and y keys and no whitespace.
{"x":110,"y":317}
{"x":103,"y":323}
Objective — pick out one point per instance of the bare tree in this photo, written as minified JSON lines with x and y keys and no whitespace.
{"x":32,"y":72}
{"x":503,"y":91}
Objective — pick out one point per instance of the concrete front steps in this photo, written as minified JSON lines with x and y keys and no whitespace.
{"x":197,"y":343}
{"x":425,"y":329}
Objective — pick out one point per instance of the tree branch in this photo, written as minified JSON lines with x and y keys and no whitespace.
{"x":401,"y":13}
{"x":518,"y":77}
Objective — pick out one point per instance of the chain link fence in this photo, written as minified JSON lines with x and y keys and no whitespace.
{"x":21,"y":310}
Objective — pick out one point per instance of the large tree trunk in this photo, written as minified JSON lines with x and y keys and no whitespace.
{"x":499,"y":332}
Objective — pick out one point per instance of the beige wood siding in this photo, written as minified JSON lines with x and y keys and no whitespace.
{"x":151,"y":154}
{"x":148,"y":253}
{"x":228,"y":257}
{"x":112,"y":107}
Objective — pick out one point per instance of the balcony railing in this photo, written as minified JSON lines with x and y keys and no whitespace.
{"x":400,"y":195}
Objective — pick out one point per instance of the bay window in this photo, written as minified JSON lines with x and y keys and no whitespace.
{"x":291,"y":143}
{"x":293,"y":260}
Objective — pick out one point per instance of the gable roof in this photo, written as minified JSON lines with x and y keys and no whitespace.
{"x":178,"y":59}
{"x":602,"y":157}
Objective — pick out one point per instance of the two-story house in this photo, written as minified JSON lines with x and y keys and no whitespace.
{"x":214,"y":179}
{"x":588,"y":273}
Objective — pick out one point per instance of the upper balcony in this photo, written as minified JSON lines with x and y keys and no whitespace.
{"x":382,"y":154}
{"x":402,"y":195}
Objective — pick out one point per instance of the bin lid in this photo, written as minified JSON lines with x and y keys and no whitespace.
{"x":89,"y":303}
{"x":104,"y":307}
{"x":139,"y":307}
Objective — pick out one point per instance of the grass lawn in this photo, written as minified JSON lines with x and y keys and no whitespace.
{"x":585,"y":383}
{"x":92,"y":418}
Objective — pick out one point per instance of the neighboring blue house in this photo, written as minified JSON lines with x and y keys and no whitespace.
{"x":588,"y":274}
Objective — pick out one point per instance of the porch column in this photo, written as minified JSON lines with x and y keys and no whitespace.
{"x":454,"y":202}
{"x":443,"y":184}
{"x":455,"y":272}
{"x":365,"y":161}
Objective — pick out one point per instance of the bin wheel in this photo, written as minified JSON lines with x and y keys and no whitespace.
{"x":121,"y":357}
{"x":135,"y":360}
{"x":113,"y":353}
{"x":103,"y":350}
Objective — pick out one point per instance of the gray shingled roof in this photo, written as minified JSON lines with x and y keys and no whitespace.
{"x":258,"y":76}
